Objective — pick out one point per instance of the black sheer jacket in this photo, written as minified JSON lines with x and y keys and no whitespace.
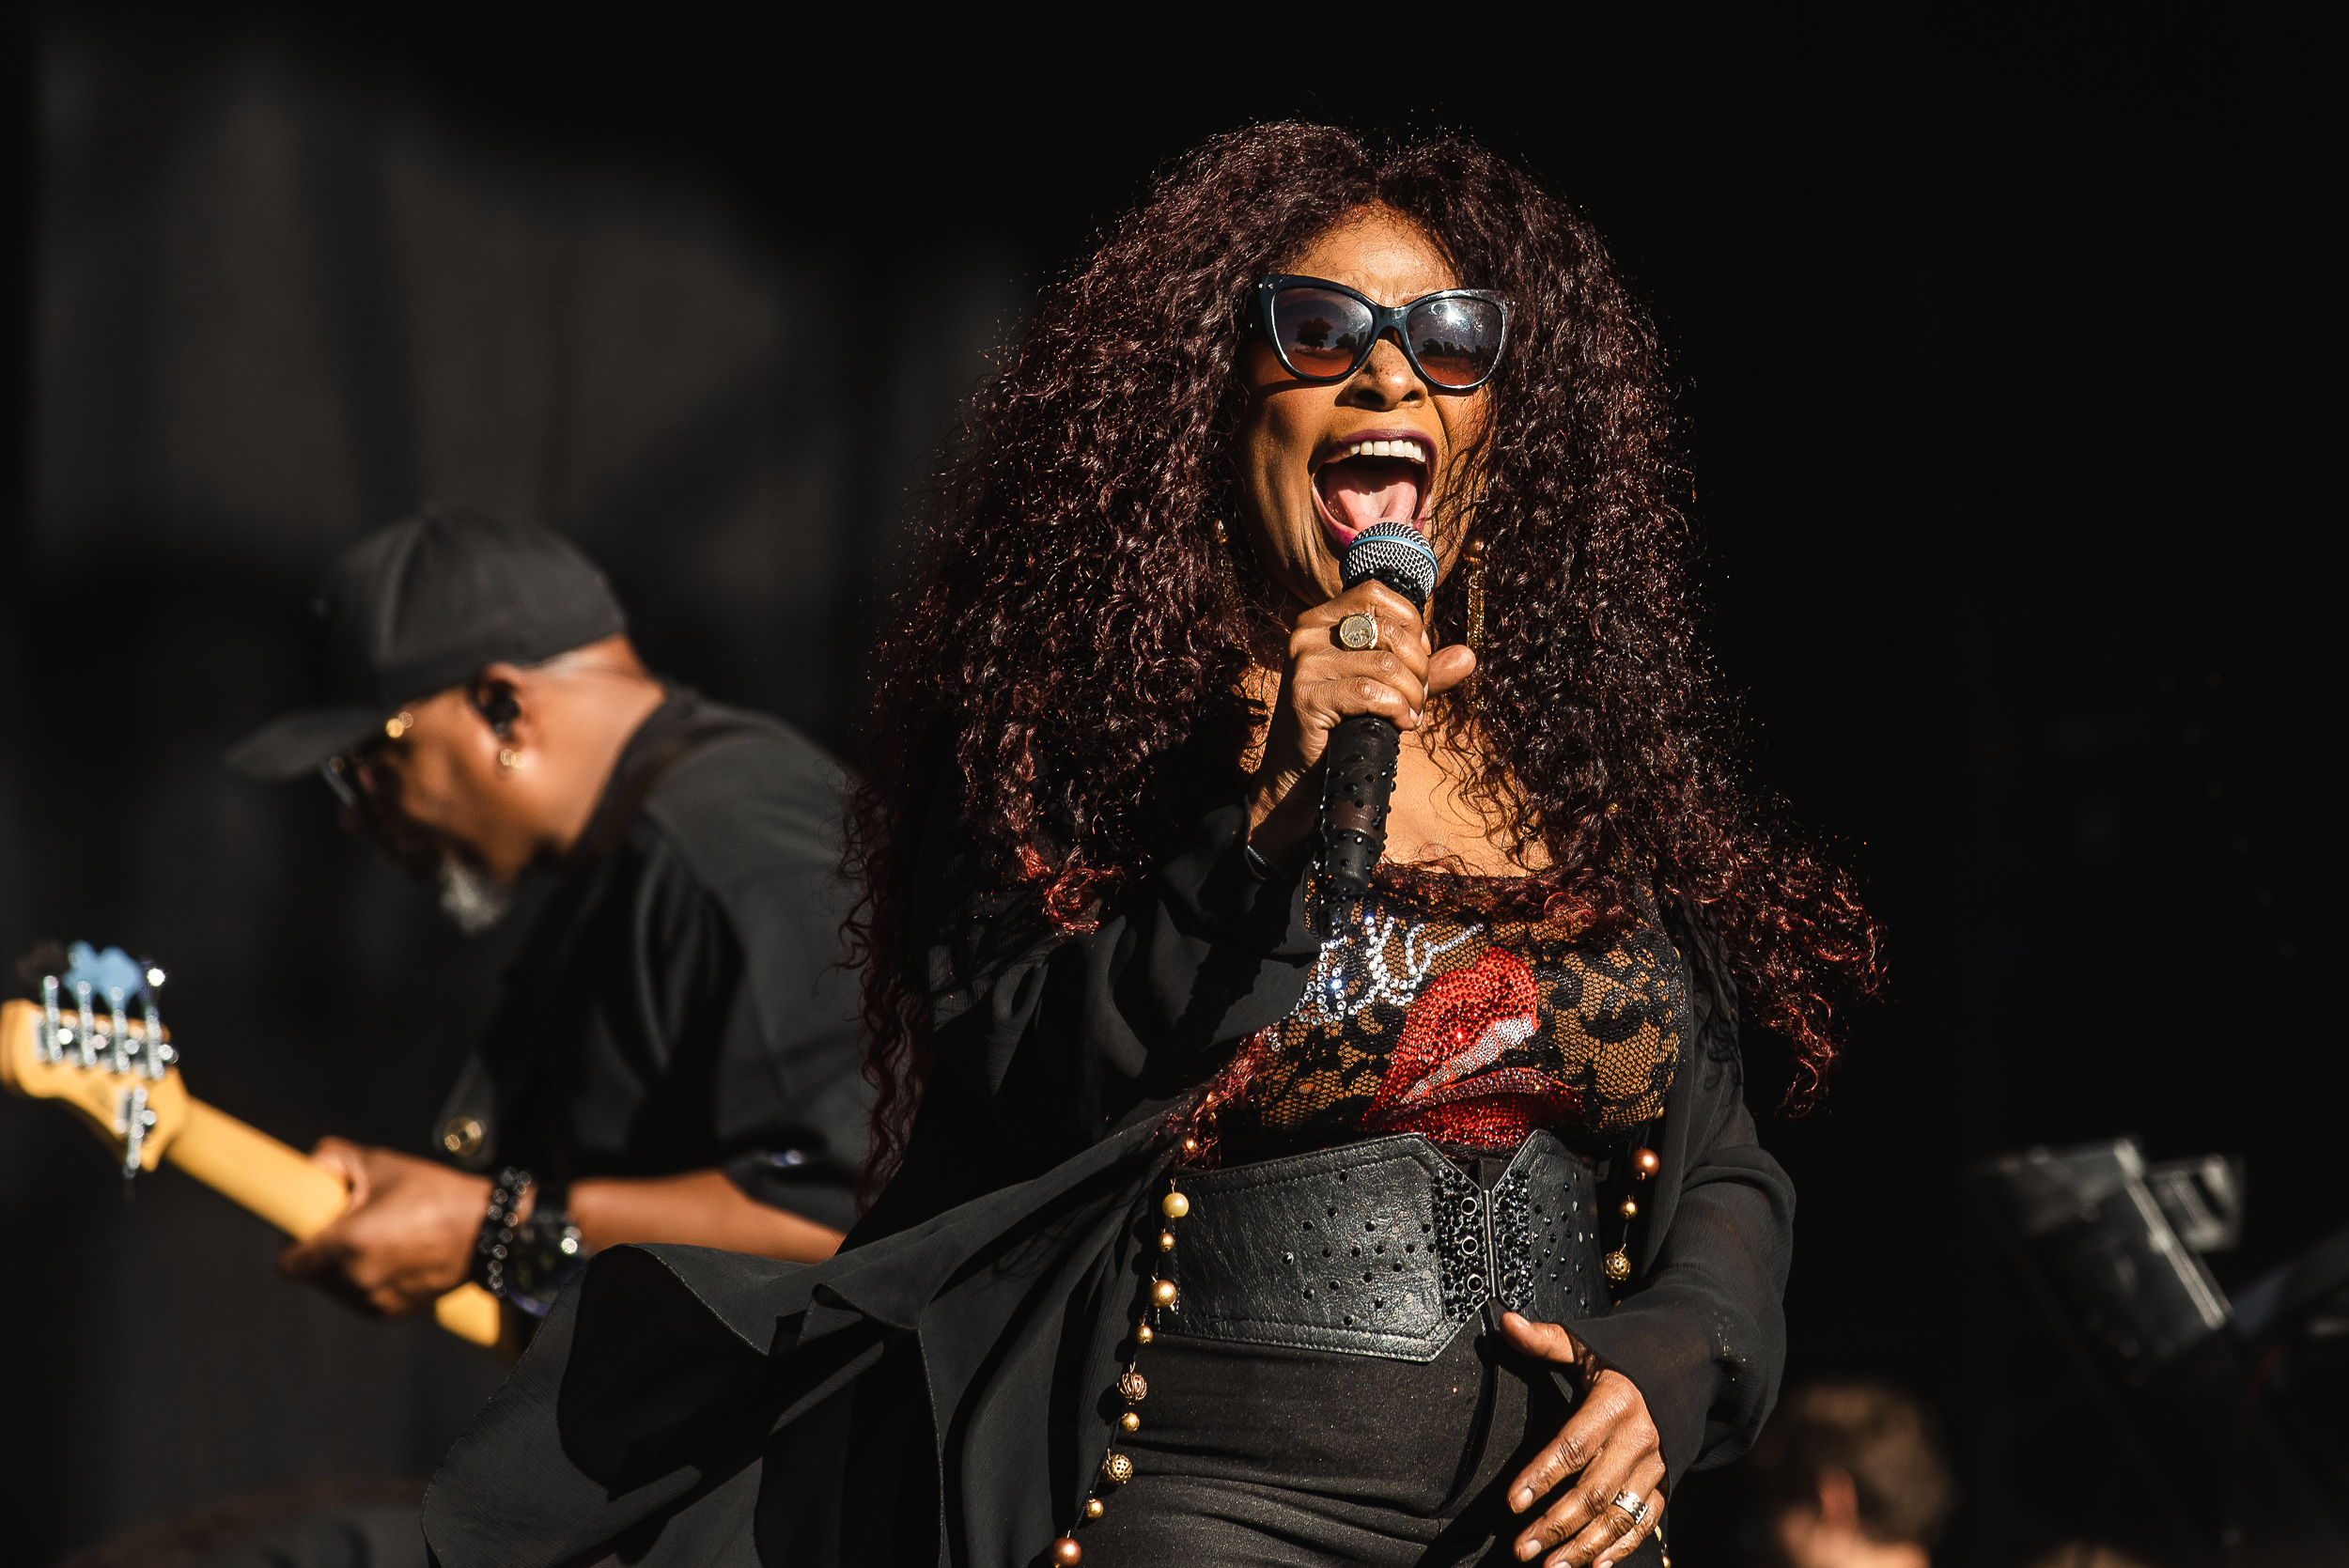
{"x":926,"y":1395}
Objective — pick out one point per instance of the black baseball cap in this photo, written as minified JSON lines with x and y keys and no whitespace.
{"x":424,"y":605}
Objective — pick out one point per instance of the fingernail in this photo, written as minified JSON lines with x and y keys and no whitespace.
{"x":1528,"y":1550}
{"x":1521,"y":1499}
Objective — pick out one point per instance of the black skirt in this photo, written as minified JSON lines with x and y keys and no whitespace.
{"x":1263,"y":1456}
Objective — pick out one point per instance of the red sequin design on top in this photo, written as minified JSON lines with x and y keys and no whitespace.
{"x":1470,"y":1016}
{"x":1460,"y":1073}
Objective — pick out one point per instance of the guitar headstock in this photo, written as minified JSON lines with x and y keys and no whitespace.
{"x":80,"y":1044}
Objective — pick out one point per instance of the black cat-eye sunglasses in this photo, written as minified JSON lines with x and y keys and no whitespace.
{"x":1324,"y":331}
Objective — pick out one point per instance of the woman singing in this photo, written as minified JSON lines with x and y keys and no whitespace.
{"x":1207,"y":1239}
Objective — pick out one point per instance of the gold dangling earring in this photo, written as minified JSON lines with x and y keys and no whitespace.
{"x":1474,"y":549}
{"x":1226,"y":575}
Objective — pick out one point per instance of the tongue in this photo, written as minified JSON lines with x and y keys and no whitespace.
{"x":1360,"y":495}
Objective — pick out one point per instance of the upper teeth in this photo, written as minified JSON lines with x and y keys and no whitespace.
{"x":1411,"y":449}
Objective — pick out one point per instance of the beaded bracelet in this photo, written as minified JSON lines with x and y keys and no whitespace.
{"x":498,"y":1224}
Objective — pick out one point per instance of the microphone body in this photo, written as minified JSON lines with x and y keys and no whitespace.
{"x":1358,"y":763}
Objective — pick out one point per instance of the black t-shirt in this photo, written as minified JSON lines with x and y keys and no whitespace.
{"x":679,"y":1002}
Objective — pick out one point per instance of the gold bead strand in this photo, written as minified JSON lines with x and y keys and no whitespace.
{"x":1132,"y":1387}
{"x":1644,"y":1165}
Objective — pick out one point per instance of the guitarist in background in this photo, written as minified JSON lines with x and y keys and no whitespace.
{"x":674,"y":1058}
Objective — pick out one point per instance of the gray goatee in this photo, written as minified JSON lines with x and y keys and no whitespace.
{"x":472,"y":900}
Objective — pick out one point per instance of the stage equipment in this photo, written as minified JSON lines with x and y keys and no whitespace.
{"x":121,"y":1075}
{"x":2112,"y":1248}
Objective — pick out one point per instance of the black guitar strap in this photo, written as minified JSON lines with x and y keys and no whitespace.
{"x":643,"y":775}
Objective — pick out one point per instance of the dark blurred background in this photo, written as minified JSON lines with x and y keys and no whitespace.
{"x":2012,"y":360}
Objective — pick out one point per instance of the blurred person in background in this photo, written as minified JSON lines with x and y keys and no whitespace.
{"x":1850,"y":1474}
{"x":673,"y":1057}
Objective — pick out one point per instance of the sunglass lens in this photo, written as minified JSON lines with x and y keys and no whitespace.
{"x":1321,"y":332}
{"x":1456,"y":339}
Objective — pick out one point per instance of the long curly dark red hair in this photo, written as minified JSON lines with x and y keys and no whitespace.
{"x":1074,"y":658}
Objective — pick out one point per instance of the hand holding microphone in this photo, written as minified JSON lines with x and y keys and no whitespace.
{"x":1364,"y":655}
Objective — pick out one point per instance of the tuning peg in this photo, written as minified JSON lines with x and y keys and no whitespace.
{"x":49,"y":1047}
{"x":159,"y":1056}
{"x":84,"y":1036}
{"x":117,"y":1032}
{"x":132,"y":1121}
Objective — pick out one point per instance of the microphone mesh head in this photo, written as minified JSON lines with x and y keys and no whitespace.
{"x":1398,"y":555}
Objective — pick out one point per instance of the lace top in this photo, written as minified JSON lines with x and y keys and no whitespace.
{"x":1441,"y":1009}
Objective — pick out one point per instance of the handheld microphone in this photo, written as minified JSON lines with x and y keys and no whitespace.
{"x":1358,"y":765}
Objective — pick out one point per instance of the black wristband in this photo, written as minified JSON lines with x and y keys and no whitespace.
{"x":546,"y":1254}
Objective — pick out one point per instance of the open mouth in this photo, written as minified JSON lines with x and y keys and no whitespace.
{"x":1378,"y":477}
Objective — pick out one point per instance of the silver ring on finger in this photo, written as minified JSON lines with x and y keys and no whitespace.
{"x":1359,"y":632}
{"x":1632,"y":1503}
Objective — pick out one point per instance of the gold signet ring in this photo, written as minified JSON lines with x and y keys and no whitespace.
{"x":1359,"y":632}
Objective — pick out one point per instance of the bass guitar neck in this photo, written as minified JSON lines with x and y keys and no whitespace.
{"x":121,"y":1080}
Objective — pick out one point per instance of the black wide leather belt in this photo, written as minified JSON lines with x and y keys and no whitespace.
{"x":1383,"y":1248}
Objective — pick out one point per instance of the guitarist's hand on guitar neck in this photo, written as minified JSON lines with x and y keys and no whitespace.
{"x":407,"y":1237}
{"x":383,"y":1230}
{"x":409,"y":1232}
{"x":121,"y":1077}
